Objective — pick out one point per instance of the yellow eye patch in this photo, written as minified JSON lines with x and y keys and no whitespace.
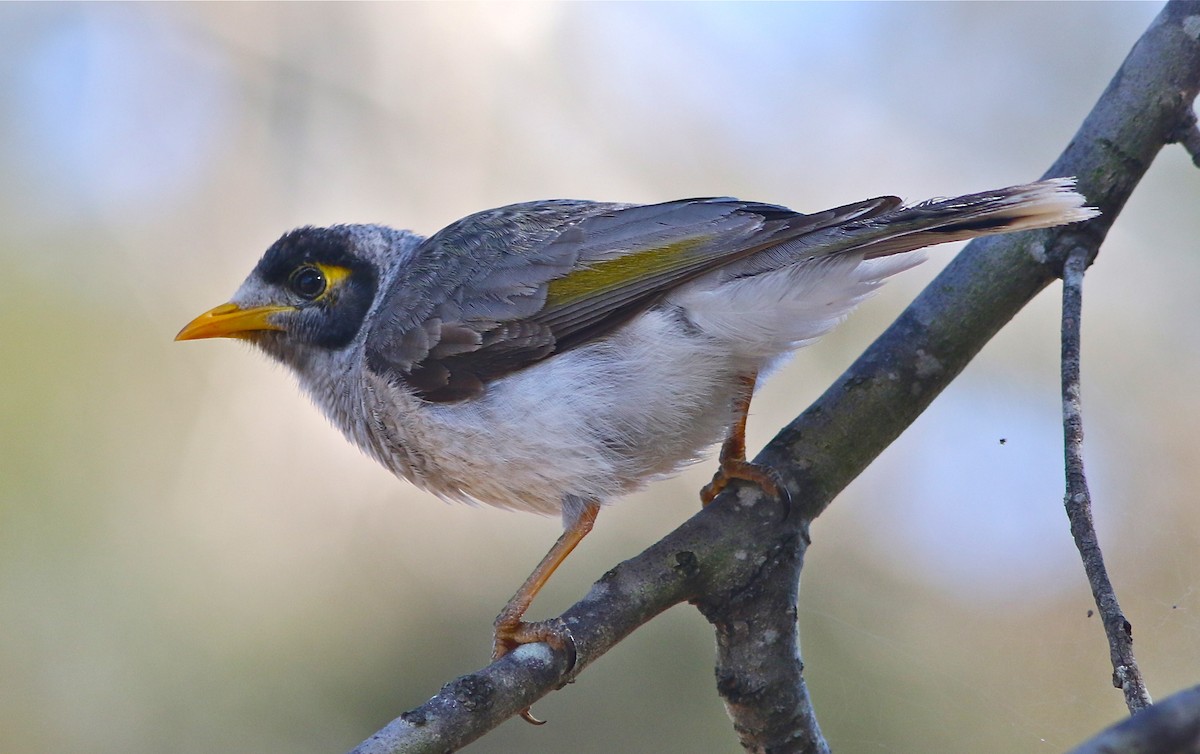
{"x":334,"y":276}
{"x":314,"y":281}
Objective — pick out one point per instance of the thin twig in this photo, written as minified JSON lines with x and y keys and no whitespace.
{"x":1078,"y":501}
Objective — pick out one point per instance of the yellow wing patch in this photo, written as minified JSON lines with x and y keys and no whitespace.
{"x":611,"y":274}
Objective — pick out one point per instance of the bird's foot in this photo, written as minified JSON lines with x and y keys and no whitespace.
{"x":767,"y":479}
{"x":511,"y":632}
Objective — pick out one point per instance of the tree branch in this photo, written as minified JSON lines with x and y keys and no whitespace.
{"x":759,"y":670}
{"x":1188,"y":136}
{"x":1170,"y":727}
{"x":721,"y":557}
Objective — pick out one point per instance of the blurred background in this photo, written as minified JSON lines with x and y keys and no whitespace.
{"x":192,"y":561}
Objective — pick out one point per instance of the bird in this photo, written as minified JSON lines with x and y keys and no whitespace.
{"x":554,"y":356}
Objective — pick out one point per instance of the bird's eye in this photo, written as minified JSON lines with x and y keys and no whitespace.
{"x":307,"y":282}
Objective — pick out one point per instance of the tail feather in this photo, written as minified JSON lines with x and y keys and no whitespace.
{"x":789,"y":295}
{"x":1044,"y":204}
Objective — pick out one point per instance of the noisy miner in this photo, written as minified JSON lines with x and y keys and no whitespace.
{"x":553,"y":356}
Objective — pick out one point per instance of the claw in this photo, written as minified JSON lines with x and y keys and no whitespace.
{"x":528,"y":717}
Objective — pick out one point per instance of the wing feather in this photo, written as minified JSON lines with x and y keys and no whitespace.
{"x":503,"y":289}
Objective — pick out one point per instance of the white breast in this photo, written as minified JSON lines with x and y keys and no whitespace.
{"x":595,"y":422}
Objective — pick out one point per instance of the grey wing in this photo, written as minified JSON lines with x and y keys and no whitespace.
{"x":504,"y":289}
{"x":478,"y":279}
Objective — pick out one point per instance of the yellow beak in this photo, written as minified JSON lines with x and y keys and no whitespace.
{"x":231,"y":321}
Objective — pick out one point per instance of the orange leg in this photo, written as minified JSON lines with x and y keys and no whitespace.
{"x":510,"y":631}
{"x":733,"y":452}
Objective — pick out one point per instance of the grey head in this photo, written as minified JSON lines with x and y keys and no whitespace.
{"x":320,"y":286}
